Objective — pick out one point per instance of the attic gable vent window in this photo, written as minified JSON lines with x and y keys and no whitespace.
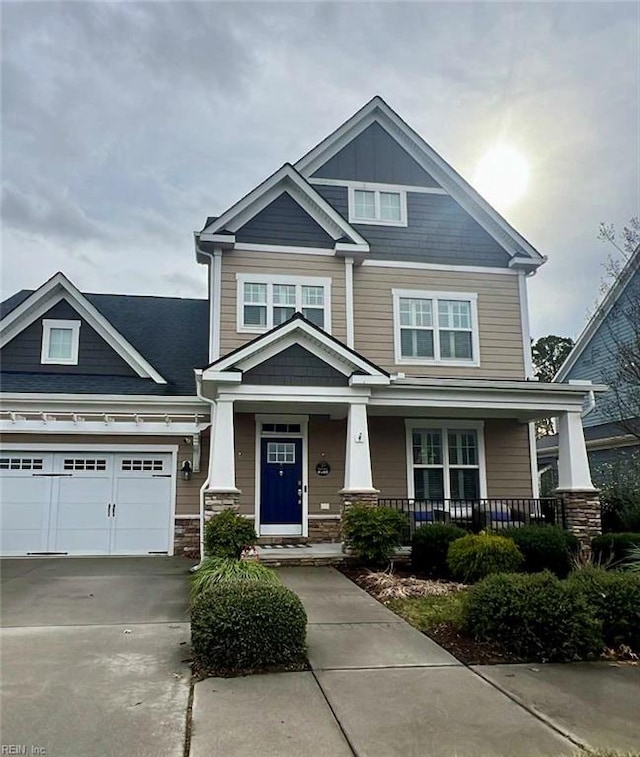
{"x":60,"y":342}
{"x":268,"y":301}
{"x":377,"y":206}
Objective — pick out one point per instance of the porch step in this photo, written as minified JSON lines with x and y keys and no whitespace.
{"x":301,"y":554}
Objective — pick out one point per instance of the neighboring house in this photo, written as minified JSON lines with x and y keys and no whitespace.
{"x":366,"y":337}
{"x":611,"y":423}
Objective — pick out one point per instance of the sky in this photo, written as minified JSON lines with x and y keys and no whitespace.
{"x":125,"y":124}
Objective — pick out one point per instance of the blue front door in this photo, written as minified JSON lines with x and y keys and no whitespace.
{"x":281,"y":486}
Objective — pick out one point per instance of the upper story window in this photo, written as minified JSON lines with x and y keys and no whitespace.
{"x":439,"y":328}
{"x":377,"y":206}
{"x":267,"y":301}
{"x":60,"y":342}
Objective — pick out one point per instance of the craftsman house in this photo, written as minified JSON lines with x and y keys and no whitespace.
{"x":365,"y":338}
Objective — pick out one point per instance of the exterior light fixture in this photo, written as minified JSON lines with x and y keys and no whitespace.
{"x":186,"y":470}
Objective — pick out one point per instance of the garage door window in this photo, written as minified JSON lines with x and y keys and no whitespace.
{"x":142,"y":465}
{"x":20,"y":463}
{"x":81,"y":464}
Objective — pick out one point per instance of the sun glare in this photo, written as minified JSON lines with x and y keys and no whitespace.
{"x":502,"y":176}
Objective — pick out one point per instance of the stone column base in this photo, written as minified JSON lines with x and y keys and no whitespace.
{"x":369,"y":499}
{"x":186,"y":540}
{"x":582,"y":515}
{"x":215,"y":502}
{"x":324,"y":530}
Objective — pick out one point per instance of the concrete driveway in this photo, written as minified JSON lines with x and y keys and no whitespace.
{"x":93,"y":655}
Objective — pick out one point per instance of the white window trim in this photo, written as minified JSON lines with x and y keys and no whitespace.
{"x":47,"y":325}
{"x":444,"y":426}
{"x":470,"y":297}
{"x":270,"y":280}
{"x":377,"y":189}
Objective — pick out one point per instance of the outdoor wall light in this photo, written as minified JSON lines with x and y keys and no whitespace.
{"x":186,"y":470}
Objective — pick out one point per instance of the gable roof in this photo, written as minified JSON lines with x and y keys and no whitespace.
{"x":632,"y":267}
{"x":377,"y":111}
{"x":148,"y":324}
{"x":285,"y":179}
{"x":297,"y":330}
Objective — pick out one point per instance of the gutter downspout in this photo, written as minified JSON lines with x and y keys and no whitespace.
{"x":205,"y":485}
{"x":591,"y":405}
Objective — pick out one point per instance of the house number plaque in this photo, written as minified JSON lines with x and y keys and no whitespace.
{"x":323,"y":468}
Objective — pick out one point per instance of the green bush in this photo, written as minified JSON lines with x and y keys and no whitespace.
{"x":615,"y":599}
{"x":611,"y":548}
{"x":544,"y":548}
{"x":619,"y":484}
{"x":534,"y":616}
{"x":475,"y":556}
{"x":228,"y":534}
{"x":242,"y":626}
{"x":213,"y":570}
{"x":429,"y":548}
{"x":373,"y":533}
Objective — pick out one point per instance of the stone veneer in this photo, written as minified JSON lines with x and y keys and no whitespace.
{"x":327,"y":530}
{"x":582,"y":513}
{"x":187,"y":537}
{"x":217,"y":502}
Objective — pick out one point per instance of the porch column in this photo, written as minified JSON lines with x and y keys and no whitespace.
{"x":221,"y":493}
{"x":358,"y":481}
{"x":581,"y":498}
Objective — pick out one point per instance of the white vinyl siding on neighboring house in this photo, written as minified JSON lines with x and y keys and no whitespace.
{"x":268,"y":301}
{"x":377,"y":206}
{"x":445,"y":460}
{"x":60,"y":342}
{"x":439,"y":328}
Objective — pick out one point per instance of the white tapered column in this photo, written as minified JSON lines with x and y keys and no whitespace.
{"x":573,"y":463}
{"x":222,"y":460}
{"x":357,"y":469}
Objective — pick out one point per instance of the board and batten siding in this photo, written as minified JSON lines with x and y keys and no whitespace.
{"x":500,"y":329}
{"x":270,"y":264}
{"x":187,"y":492}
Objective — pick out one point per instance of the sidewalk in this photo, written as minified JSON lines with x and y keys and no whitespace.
{"x":378,"y":688}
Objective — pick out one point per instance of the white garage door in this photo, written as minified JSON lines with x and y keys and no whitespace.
{"x":85,"y":504}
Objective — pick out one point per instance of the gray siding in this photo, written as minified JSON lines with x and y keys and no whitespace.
{"x":375,"y":156}
{"x":95,"y":356}
{"x":438,"y":231}
{"x":284,"y":222}
{"x":295,"y":366}
{"x":598,"y":360}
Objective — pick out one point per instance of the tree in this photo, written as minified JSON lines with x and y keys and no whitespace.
{"x":621,"y":371}
{"x":548,"y":354}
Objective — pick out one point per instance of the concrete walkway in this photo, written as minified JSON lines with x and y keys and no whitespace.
{"x":378,"y":688}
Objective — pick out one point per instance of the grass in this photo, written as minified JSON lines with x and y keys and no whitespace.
{"x":427,"y":613}
{"x":217,"y":569}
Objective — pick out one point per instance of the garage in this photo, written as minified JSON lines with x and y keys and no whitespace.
{"x":86,"y":503}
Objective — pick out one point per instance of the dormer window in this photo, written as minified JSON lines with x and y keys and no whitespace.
{"x":60,"y":342}
{"x":385,"y":207}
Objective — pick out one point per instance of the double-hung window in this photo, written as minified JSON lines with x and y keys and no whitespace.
{"x":386,"y":207}
{"x":60,"y":342}
{"x":446,"y":460}
{"x":435,"y":327}
{"x":268,"y":301}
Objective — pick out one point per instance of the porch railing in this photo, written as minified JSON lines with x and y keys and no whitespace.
{"x":478,"y":514}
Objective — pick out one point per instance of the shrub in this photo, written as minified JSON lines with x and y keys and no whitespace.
{"x":478,"y":555}
{"x":228,"y":534}
{"x":241,"y":626}
{"x":213,"y":570}
{"x":429,"y":548}
{"x":619,"y":484}
{"x":373,"y":533}
{"x":610,"y":548}
{"x":544,"y":548}
{"x":615,"y":599}
{"x":534,"y":616}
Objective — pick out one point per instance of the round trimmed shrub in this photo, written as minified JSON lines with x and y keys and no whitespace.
{"x":544,"y":548}
{"x":227,"y":534}
{"x":429,"y":548}
{"x":615,"y":599}
{"x":240,"y":626}
{"x":373,"y":533}
{"x":214,"y":570}
{"x":534,"y":616}
{"x":475,"y":556}
{"x":611,"y":548}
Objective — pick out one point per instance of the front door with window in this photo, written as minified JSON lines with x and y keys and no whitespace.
{"x":281,"y":487}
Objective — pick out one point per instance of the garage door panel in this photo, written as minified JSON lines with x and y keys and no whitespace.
{"x":24,"y":507}
{"x":140,"y":541}
{"x":82,"y":541}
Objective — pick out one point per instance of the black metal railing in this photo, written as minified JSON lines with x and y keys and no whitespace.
{"x":478,"y":514}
